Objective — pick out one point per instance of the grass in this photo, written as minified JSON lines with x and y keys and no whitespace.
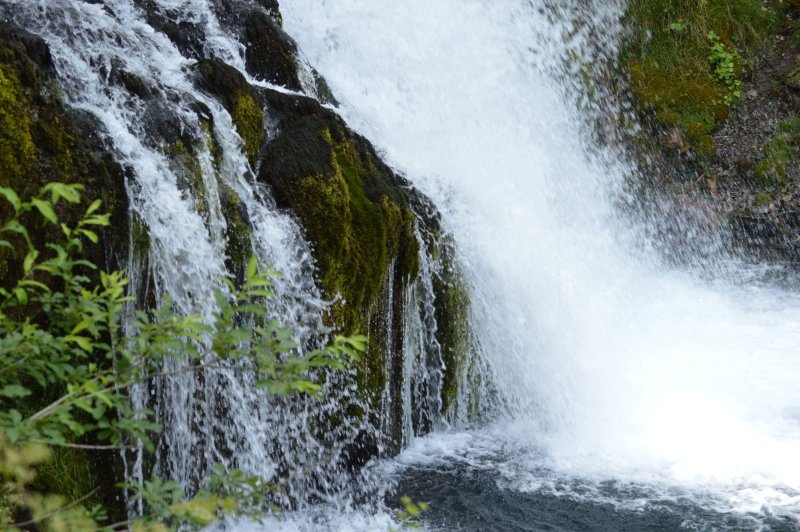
{"x":781,"y":150}
{"x":686,"y":58}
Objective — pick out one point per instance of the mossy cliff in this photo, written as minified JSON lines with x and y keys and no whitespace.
{"x":41,"y":141}
{"x":717,"y":83}
{"x":356,"y":214}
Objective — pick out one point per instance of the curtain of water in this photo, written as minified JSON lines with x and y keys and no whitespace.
{"x":615,"y":365}
{"x":180,"y":241}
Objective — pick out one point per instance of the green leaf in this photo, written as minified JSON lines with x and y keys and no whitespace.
{"x":82,"y":342}
{"x":13,"y":226}
{"x":252,"y":267}
{"x":46,"y":210}
{"x":22,"y":295}
{"x":94,"y":206}
{"x":91,"y":235}
{"x":14,"y":390}
{"x":11,"y":197}
{"x":27,"y":265}
{"x":83,"y":325}
{"x":61,"y":190}
{"x":34,"y":284}
{"x":101,"y":219}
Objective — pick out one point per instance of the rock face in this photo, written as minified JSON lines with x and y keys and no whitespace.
{"x":717,"y":89}
{"x":42,"y":140}
{"x":362,"y":221}
{"x":356,"y":212}
{"x":357,"y":217}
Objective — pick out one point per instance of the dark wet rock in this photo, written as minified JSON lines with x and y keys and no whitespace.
{"x":272,"y":9}
{"x":242,"y":101}
{"x":357,"y":216}
{"x":188,"y":37}
{"x":36,"y":50}
{"x":42,"y":140}
{"x":271,"y":54}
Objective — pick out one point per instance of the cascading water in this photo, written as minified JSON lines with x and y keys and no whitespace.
{"x":189,"y":183}
{"x":626,"y":384}
{"x":182,"y":221}
{"x":629,"y":382}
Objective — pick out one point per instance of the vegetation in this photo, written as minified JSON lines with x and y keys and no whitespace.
{"x":781,"y":150}
{"x":686,"y":59}
{"x":357,"y":217}
{"x":66,"y":366}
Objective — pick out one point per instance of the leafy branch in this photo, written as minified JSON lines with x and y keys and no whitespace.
{"x":61,"y":338}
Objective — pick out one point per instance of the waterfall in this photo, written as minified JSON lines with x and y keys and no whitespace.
{"x":196,"y":213}
{"x":616,"y":365}
{"x":575,"y":357}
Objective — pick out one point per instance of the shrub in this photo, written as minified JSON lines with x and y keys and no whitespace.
{"x":66,"y":367}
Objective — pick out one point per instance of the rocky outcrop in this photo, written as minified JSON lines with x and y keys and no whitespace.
{"x":358,"y":215}
{"x":42,"y":140}
{"x":716,"y":87}
{"x":360,"y":218}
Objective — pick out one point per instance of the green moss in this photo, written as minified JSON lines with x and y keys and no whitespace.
{"x":354,"y":237}
{"x":452,"y":317}
{"x":762,"y":199}
{"x":212,"y":145}
{"x":674,"y":67}
{"x":16,"y":145}
{"x":781,"y":151}
{"x":238,"y":231}
{"x":357,"y":217}
{"x":68,"y":473}
{"x":186,"y":165}
{"x":40,"y":142}
{"x":248,"y":117}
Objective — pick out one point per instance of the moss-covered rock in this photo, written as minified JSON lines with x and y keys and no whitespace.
{"x":781,"y":153}
{"x":241,"y":100}
{"x":356,"y":214}
{"x":452,"y":318}
{"x":189,"y":37}
{"x":41,"y":141}
{"x":238,"y":230}
{"x":271,"y":55}
{"x":685,"y":60}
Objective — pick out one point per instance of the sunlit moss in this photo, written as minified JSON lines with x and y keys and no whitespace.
{"x":248,"y":117}
{"x":668,"y":54}
{"x":16,"y":145}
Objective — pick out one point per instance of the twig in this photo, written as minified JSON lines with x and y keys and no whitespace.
{"x":50,"y":514}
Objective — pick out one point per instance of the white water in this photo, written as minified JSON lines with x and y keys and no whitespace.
{"x":613,"y":366}
{"x":616,"y":367}
{"x":187,"y":248}
{"x":219,"y":416}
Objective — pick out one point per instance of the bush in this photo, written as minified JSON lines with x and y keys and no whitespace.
{"x":66,"y":367}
